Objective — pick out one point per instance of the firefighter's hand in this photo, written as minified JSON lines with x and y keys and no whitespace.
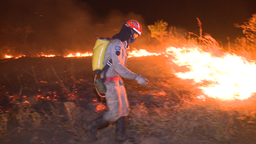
{"x":141,"y":80}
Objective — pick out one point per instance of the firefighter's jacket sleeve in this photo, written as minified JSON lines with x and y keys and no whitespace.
{"x":116,"y":51}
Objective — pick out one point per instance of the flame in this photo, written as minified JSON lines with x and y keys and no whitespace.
{"x":8,"y":56}
{"x":134,"y":53}
{"x":78,"y":54}
{"x":46,"y":55}
{"x":141,"y":52}
{"x":229,"y":77}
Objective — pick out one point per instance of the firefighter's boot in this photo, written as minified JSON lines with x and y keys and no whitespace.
{"x":92,"y":127}
{"x":120,"y":130}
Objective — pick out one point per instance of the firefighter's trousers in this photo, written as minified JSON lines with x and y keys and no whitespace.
{"x":117,"y":101}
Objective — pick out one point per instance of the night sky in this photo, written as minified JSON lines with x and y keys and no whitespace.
{"x":217,"y":16}
{"x":57,"y":25}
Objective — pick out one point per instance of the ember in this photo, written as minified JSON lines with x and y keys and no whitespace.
{"x":100,"y":107}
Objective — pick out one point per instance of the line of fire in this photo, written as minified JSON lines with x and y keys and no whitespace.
{"x":228,"y":76}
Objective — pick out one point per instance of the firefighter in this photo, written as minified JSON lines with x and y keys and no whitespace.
{"x":116,"y":97}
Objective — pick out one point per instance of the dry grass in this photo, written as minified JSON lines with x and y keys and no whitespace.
{"x":27,"y":117}
{"x":3,"y":122}
{"x":203,"y":119}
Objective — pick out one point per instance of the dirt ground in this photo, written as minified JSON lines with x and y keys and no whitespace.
{"x":62,"y":92}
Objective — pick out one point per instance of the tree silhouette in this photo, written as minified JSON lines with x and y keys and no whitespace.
{"x":158,"y":30}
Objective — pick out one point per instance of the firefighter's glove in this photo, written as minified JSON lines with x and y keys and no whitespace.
{"x":141,"y":80}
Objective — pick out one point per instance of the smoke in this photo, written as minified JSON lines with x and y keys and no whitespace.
{"x":57,"y":26}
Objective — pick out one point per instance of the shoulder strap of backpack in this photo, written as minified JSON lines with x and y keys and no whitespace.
{"x":105,"y":69}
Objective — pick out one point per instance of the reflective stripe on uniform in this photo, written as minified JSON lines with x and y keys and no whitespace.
{"x":112,"y":79}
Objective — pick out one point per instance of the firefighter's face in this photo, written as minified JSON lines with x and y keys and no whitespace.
{"x":135,"y":35}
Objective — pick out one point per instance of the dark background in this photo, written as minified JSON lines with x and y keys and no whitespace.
{"x":217,"y":16}
{"x":62,"y":26}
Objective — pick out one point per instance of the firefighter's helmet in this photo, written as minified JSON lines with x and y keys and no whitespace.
{"x":135,"y":25}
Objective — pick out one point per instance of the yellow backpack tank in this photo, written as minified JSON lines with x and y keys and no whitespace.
{"x":99,"y":50}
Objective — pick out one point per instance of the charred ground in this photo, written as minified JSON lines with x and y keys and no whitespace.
{"x":46,"y":100}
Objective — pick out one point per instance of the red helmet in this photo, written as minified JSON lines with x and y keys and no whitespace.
{"x":135,"y":25}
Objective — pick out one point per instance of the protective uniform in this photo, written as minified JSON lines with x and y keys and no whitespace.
{"x":116,"y":97}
